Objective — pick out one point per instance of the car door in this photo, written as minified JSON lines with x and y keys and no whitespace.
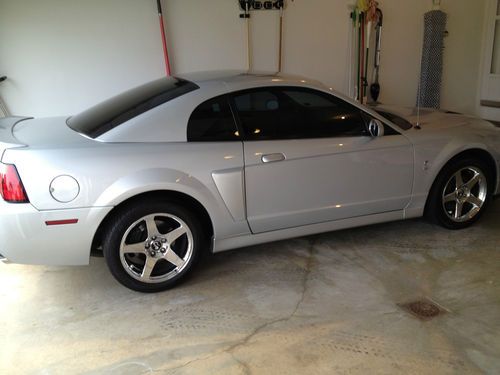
{"x":309,"y":159}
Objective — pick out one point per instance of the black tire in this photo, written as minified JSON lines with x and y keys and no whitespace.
{"x":436,"y":210}
{"x":125,"y":221}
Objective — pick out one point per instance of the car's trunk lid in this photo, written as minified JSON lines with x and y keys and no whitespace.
{"x":40,"y":133}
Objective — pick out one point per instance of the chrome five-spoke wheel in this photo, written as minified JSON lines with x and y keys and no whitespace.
{"x":156,"y":247}
{"x":465,"y":194}
{"x":150,"y":246}
{"x":460,"y":194}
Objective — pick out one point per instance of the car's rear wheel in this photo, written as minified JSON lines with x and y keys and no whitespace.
{"x":460,"y":194}
{"x":150,"y":247}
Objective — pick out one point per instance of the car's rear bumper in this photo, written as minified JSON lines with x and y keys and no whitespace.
{"x":27,"y":238}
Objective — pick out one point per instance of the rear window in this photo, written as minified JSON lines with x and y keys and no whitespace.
{"x":109,"y":114}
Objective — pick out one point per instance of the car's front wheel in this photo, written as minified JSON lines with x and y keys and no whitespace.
{"x":460,"y":194}
{"x":151,"y":246}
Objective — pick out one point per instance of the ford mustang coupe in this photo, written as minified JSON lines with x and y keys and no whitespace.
{"x":216,"y":161}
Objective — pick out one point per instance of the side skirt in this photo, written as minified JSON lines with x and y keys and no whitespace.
{"x":255,"y":239}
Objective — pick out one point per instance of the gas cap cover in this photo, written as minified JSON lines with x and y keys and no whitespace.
{"x":64,"y":189}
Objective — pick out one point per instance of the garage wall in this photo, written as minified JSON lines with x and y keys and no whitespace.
{"x":316,"y":43}
{"x":402,"y":45}
{"x":85,"y":51}
{"x":462,"y":74}
{"x":64,"y":55}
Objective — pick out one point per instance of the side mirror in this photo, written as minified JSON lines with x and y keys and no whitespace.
{"x":376,"y":128}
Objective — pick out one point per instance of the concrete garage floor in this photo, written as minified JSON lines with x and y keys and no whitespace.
{"x":323,"y":304}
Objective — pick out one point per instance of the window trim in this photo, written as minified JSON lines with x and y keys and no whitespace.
{"x":236,"y":116}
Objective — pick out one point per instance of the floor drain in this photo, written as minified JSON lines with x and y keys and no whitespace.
{"x":423,"y":309}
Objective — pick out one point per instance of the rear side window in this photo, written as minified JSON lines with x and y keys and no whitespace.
{"x":212,"y":121}
{"x":113,"y":112}
{"x":296,"y":113}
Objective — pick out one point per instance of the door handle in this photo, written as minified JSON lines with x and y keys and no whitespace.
{"x":272,"y":158}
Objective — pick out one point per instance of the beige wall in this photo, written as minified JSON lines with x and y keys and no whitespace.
{"x":78,"y":64}
{"x":208,"y":35}
{"x":490,"y":83}
{"x":462,"y":73}
{"x":64,"y":55}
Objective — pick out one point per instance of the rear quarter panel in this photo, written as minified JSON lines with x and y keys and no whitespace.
{"x":109,"y":174}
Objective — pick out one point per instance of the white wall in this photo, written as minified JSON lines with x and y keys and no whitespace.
{"x":78,"y":64}
{"x":316,"y":43}
{"x":462,"y":73}
{"x":64,"y":55}
{"x":490,"y":83}
{"x":204,"y":35}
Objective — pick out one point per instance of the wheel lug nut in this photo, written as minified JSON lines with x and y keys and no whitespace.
{"x":153,"y":253}
{"x":154,"y":237}
{"x":146,"y":246}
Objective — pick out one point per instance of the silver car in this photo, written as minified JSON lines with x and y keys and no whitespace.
{"x":215,"y":161}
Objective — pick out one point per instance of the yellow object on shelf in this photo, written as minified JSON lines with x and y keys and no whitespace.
{"x":362,"y":5}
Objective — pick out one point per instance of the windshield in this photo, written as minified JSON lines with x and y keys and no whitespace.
{"x":107,"y":115}
{"x":397,"y":120}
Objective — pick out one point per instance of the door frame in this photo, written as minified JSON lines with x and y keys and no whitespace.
{"x":489,"y":103}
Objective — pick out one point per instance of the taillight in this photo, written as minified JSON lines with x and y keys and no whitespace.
{"x":11,"y":187}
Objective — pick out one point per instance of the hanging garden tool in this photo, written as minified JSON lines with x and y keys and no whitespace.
{"x":351,"y":76}
{"x":246,"y":5}
{"x":370,"y":17}
{"x":357,"y":42}
{"x":362,"y":58}
{"x":361,"y":8}
{"x":163,"y":39}
{"x":375,"y":86}
{"x":355,"y":46}
{"x":280,"y":5}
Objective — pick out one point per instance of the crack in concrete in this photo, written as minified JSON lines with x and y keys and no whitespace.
{"x":309,"y":265}
{"x":245,"y":340}
{"x":245,"y":366}
{"x":256,"y":331}
{"x":173,"y":369}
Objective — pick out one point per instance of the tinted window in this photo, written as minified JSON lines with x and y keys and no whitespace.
{"x":260,"y":114}
{"x":212,"y":121}
{"x":294,"y":113}
{"x":107,"y":115}
{"x":395,"y":119}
